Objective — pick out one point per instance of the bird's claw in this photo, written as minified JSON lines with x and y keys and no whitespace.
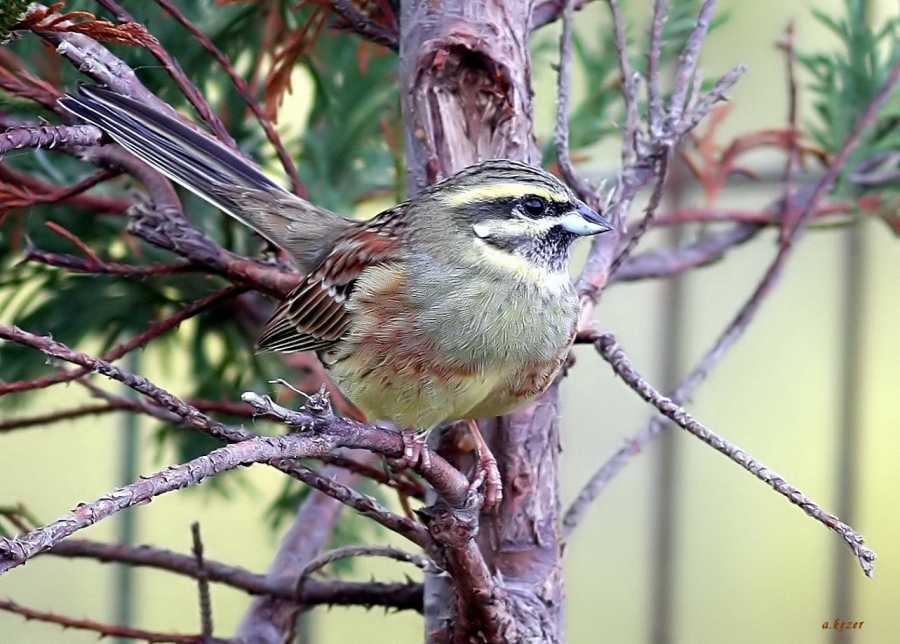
{"x":415,"y":454}
{"x":488,"y":474}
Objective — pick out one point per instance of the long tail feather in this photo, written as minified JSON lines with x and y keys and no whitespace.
{"x":226,"y":179}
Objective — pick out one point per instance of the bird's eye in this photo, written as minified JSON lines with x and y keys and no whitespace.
{"x":534,"y":206}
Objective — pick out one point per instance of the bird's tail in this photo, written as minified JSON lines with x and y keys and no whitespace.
{"x":223,"y":177}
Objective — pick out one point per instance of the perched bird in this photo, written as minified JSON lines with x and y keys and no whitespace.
{"x":455,"y":305}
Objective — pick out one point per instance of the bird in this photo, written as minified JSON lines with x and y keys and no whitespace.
{"x":455,"y":305}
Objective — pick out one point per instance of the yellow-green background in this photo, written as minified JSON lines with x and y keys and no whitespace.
{"x":750,"y":567}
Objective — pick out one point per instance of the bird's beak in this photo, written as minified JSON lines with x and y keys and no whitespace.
{"x":584,"y":221}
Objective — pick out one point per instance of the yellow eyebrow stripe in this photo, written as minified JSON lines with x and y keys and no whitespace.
{"x":492,"y":191}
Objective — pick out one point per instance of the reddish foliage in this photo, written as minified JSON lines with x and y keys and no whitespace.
{"x":82,"y":22}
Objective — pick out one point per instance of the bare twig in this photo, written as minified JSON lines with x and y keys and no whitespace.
{"x":103,"y":630}
{"x":698,"y":109}
{"x":587,"y":194}
{"x":688,"y":61}
{"x":629,"y":87}
{"x":649,"y":213}
{"x":654,"y":99}
{"x":49,"y":136}
{"x":612,"y":352}
{"x":549,"y":11}
{"x":15,"y":552}
{"x":34,"y":191}
{"x":97,"y":266}
{"x":670,"y":262}
{"x":363,"y":551}
{"x":397,"y":596}
{"x":206,"y":621}
{"x":668,"y":126}
{"x":793,"y":158}
{"x":411,"y":488}
{"x":366,"y":28}
{"x":169,"y":229}
{"x":57,"y":416}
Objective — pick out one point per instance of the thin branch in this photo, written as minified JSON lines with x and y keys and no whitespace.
{"x":364,"y":551}
{"x":612,"y":352}
{"x":35,"y":191}
{"x":629,"y":83}
{"x":549,"y":11}
{"x":397,"y":596}
{"x":793,"y":158}
{"x":170,"y":230}
{"x":49,"y":136}
{"x":103,"y":630}
{"x":654,"y":99}
{"x":366,"y":28}
{"x":15,"y":552}
{"x":587,"y":194}
{"x":206,"y":621}
{"x":96,"y":266}
{"x":649,"y":213}
{"x":244,"y":90}
{"x":670,"y":262}
{"x":698,"y":109}
{"x":688,"y":60}
{"x":408,"y":487}
{"x":154,"y":331}
{"x":57,"y":416}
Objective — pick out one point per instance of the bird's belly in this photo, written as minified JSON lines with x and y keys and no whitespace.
{"x":413,"y":394}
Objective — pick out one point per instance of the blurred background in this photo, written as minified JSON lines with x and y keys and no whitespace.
{"x":743,"y":564}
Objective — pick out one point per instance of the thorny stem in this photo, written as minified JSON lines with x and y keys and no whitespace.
{"x":612,"y":352}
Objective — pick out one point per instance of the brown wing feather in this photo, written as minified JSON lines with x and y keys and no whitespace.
{"x":314,"y":317}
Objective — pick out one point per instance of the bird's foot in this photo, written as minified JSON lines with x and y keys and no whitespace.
{"x":486,"y":471}
{"x":415,"y":455}
{"x":489,"y":474}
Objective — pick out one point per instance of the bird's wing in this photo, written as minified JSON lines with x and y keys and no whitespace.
{"x":314,"y":316}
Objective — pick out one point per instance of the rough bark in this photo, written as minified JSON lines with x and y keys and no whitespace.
{"x":466,"y":92}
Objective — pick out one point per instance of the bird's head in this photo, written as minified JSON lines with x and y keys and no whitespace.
{"x":515,"y":212}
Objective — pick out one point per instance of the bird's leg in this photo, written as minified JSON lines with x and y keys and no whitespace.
{"x":487,"y":469}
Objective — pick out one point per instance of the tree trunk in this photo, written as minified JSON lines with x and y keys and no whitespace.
{"x":466,"y":92}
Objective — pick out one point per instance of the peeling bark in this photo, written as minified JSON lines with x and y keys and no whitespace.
{"x":465,"y":74}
